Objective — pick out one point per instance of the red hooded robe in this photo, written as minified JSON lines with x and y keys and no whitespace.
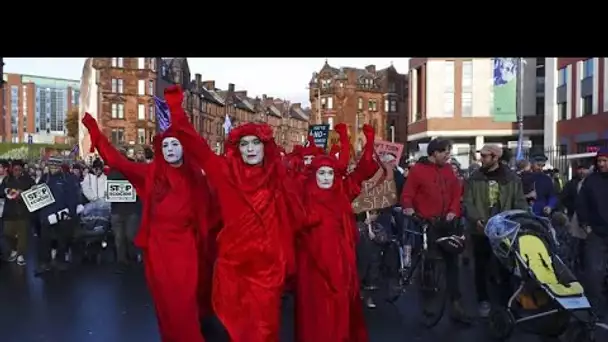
{"x":172,"y":232}
{"x":260,"y":210}
{"x":328,"y":303}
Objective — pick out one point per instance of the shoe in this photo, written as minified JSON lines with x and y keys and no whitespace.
{"x":21,"y":260}
{"x":458,"y":314}
{"x":484,"y":309}
{"x":12,"y":257}
{"x":369,"y":302}
{"x":41,"y":269}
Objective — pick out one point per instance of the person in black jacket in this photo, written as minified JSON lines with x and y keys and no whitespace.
{"x":16,"y":215}
{"x":125,"y":223}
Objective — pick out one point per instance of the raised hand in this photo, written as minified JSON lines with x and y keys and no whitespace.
{"x":368,"y":131}
{"x":89,"y":121}
{"x":341,"y":129}
{"x":174,"y":96}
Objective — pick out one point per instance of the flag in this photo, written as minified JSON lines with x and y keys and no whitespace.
{"x":74,"y":150}
{"x":504,"y":83}
{"x":520,"y":150}
{"x":163,"y":116}
{"x":227,"y":125}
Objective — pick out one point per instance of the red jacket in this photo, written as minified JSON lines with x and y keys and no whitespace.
{"x":432,"y":190}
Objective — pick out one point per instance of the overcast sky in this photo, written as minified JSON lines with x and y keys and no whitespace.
{"x":278,"y":77}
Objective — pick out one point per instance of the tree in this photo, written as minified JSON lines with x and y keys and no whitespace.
{"x":71,"y":123}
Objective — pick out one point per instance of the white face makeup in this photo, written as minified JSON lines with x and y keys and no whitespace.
{"x":325,"y":177}
{"x":173,"y":152}
{"x":252,"y":150}
{"x":308,"y":159}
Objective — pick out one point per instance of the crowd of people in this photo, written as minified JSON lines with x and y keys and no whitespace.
{"x":228,"y":235}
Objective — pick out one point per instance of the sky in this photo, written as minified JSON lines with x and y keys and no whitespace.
{"x":285,"y":78}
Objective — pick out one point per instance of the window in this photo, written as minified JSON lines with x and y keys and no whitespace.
{"x":540,"y":106}
{"x":588,"y":68}
{"x":372,"y":105}
{"x":467,"y":103}
{"x":563,"y":110}
{"x":151,"y":113}
{"x":153,"y":64}
{"x":118,"y":111}
{"x":150,"y":87}
{"x":588,"y":105}
{"x":141,"y":112}
{"x":141,"y":87}
{"x":386,"y":105}
{"x":327,"y":103}
{"x":449,"y":76}
{"x":117,"y":62}
{"x":360,"y":103}
{"x":330,"y":121}
{"x":391,"y":87}
{"x":467,"y":76}
{"x":393,"y":106}
{"x":118,"y":136}
{"x":141,"y":136}
{"x":114,"y":85}
{"x":562,"y":77}
{"x":448,"y":103}
{"x":141,"y":63}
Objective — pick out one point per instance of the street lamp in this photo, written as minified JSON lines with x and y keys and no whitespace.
{"x":3,"y":109}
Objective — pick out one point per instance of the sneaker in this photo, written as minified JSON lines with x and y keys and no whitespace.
{"x":41,"y":269}
{"x":458,"y":313}
{"x":369,"y":302}
{"x":484,"y":309}
{"x":21,"y":260}
{"x":53,"y":254}
{"x":12,"y":257}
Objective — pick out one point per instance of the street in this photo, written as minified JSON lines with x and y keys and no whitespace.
{"x":92,"y":304}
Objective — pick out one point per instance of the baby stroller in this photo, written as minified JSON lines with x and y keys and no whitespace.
{"x":93,"y":234}
{"x":547,"y":299}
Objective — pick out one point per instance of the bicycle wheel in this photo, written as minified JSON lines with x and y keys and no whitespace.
{"x":432,"y":285}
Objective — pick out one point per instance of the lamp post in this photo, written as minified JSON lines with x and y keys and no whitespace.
{"x":3,"y":109}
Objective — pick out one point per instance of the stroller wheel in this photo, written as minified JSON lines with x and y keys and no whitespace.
{"x":501,"y":323}
{"x":579,"y":332}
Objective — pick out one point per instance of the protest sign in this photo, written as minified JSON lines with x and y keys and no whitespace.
{"x":378,"y":192}
{"x":320,"y":134}
{"x":37,"y":197}
{"x":120,"y":191}
{"x":389,"y":148}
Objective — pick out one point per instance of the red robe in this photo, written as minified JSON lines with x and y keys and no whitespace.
{"x":255,"y":252}
{"x":172,"y":232}
{"x":328,"y":303}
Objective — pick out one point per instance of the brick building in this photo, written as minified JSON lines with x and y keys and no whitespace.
{"x":359,"y":96}
{"x":36,"y":108}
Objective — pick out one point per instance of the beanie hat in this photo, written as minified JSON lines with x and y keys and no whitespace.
{"x":602,"y":152}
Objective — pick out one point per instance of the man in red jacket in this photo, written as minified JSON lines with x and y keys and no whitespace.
{"x":433,"y":192}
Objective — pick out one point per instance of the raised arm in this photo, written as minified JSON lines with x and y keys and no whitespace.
{"x":194,"y":144}
{"x":344,"y":156}
{"x":134,"y":172}
{"x":366,"y":167}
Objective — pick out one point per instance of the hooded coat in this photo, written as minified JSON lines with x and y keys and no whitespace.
{"x":328,"y":303}
{"x":255,"y":248}
{"x":173,"y":232}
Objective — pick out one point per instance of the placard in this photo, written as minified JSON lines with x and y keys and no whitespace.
{"x":377,"y":193}
{"x":320,"y":133}
{"x":120,"y":191}
{"x":37,"y":197}
{"x":386,"y":147}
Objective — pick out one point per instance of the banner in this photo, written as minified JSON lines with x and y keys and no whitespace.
{"x":505,"y":90}
{"x":376,"y":195}
{"x":37,"y":197}
{"x":120,"y":191}
{"x":320,"y":133}
{"x":387,"y":149}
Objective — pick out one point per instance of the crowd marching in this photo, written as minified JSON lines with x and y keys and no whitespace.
{"x":228,"y":235}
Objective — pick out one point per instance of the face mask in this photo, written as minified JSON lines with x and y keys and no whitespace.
{"x":173,"y":151}
{"x":325,"y":177}
{"x":308,"y":160}
{"x":252,"y":150}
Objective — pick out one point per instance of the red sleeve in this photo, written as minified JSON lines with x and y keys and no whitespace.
{"x":411,"y":186}
{"x":366,"y":169}
{"x":456,"y":193}
{"x":133,"y":172}
{"x":344,"y":156}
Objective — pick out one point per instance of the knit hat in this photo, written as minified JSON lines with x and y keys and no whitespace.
{"x":55,"y":161}
{"x":602,"y":152}
{"x":491,"y":149}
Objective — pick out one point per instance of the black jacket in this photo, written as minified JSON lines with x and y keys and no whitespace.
{"x":128,"y":207}
{"x":591,"y":204}
{"x":15,"y":209}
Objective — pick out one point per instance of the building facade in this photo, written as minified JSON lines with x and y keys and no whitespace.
{"x":361,"y":96}
{"x":453,"y":98}
{"x":580,"y":103}
{"x":36,"y":107}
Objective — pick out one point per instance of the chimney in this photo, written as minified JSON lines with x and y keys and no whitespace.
{"x":264,"y":97}
{"x":198,"y":80}
{"x":209,"y":85}
{"x":297,"y":105}
{"x":231,"y":87}
{"x":371,"y":68}
{"x":241,"y":93}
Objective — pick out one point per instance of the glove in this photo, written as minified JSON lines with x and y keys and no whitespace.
{"x":341,"y":129}
{"x":79,"y":209}
{"x":368,"y":131}
{"x":174,"y":96}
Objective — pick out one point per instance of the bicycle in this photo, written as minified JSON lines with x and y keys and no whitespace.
{"x":426,"y":264}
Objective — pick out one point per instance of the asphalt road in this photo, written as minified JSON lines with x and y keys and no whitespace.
{"x":92,"y":304}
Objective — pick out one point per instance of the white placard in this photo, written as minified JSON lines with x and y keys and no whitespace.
{"x":37,"y":197}
{"x":120,"y":191}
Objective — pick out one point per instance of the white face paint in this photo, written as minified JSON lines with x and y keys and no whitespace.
{"x":173,"y":152}
{"x":325,"y":177}
{"x":252,"y":150}
{"x":308,"y":159}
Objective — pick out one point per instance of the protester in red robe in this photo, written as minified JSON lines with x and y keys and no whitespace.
{"x":260,"y":210}
{"x":328,"y":302}
{"x":173,"y":230}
